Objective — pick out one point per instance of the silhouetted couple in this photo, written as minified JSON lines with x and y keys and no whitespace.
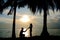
{"x":22,"y":30}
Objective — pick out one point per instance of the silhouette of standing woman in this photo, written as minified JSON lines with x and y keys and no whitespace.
{"x":31,"y":29}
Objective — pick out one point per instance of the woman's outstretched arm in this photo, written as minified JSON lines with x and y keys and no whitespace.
{"x":26,"y":29}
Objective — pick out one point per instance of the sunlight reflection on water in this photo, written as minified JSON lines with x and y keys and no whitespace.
{"x":26,"y":33}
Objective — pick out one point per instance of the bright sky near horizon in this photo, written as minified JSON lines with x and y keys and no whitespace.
{"x":24,"y":17}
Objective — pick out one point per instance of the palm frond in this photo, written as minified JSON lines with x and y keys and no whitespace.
{"x":32,"y":4}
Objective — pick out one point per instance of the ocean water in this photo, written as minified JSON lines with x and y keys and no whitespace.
{"x":5,"y":33}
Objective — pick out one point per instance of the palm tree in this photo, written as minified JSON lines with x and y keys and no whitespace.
{"x":33,"y":5}
{"x":13,"y":4}
{"x":13,"y":8}
{"x":41,"y":4}
{"x":44,"y":5}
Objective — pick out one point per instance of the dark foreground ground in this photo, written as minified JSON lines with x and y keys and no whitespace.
{"x":34,"y":38}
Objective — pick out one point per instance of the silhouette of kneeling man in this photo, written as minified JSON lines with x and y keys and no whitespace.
{"x":21,"y":33}
{"x":22,"y":30}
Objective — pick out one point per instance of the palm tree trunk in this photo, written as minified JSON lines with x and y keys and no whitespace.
{"x":45,"y":21}
{"x":44,"y":31}
{"x":13,"y":29}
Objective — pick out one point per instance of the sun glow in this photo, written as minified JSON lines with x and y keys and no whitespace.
{"x":25,"y":18}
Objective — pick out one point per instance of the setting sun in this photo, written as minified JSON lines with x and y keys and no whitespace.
{"x":25,"y":18}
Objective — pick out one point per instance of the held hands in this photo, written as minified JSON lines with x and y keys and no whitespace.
{"x":26,"y":29}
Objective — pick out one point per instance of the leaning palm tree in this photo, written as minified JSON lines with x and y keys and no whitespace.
{"x":33,"y":5}
{"x":13,"y":4}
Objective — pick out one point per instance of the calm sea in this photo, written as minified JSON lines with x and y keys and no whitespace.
{"x":8,"y":32}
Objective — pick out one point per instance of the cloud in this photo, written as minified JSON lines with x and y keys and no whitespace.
{"x":7,"y":20}
{"x":54,"y":22}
